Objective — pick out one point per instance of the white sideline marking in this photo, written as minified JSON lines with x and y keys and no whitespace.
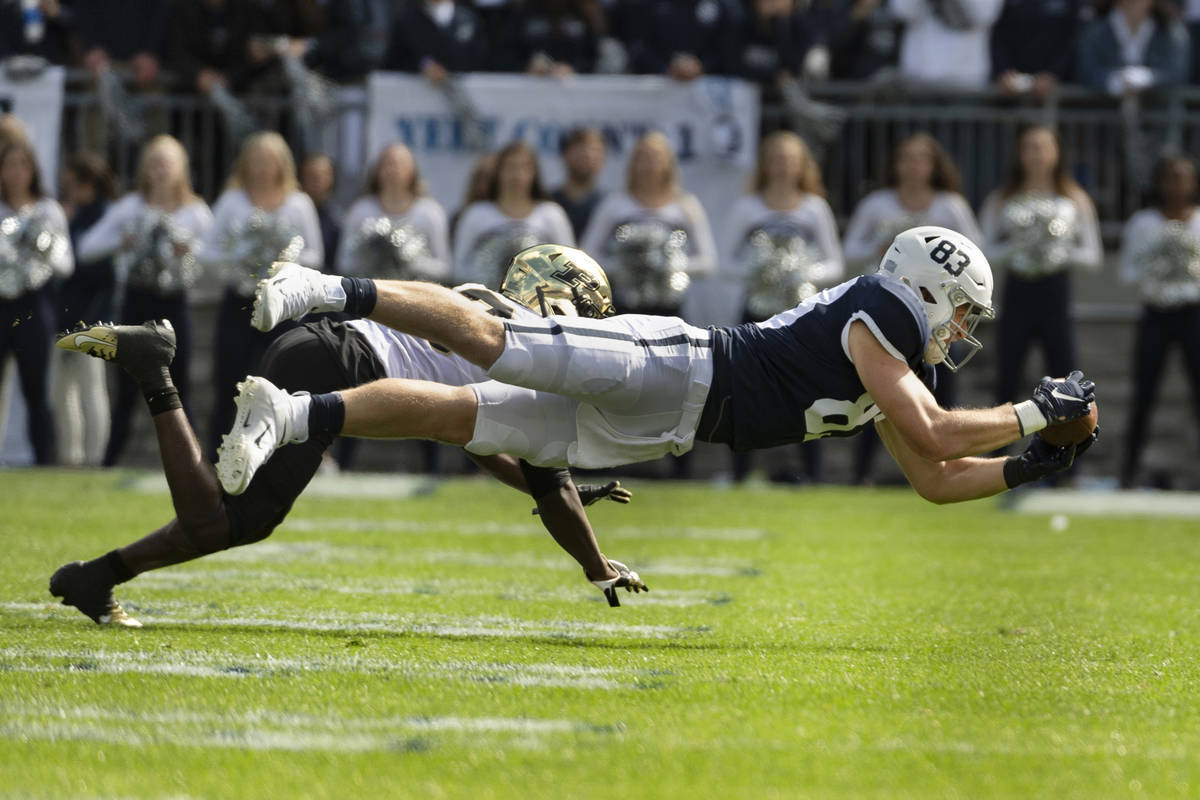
{"x":267,"y":730}
{"x":1145,"y":503}
{"x":204,"y":664}
{"x":357,"y":525}
{"x":201,"y":580}
{"x":383,"y":486}
{"x":435,"y":625}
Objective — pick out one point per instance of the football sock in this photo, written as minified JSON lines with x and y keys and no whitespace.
{"x":162,"y":399}
{"x":360,"y":296}
{"x":326,"y":414}
{"x":109,"y":568}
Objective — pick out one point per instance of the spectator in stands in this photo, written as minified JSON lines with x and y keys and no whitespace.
{"x":1037,"y":226}
{"x":772,"y":45}
{"x":261,"y":214}
{"x":552,"y":37}
{"x":516,"y":214}
{"x":1190,"y":14}
{"x":583,"y":154}
{"x":653,"y":237}
{"x":209,"y":42}
{"x":1160,"y":255}
{"x":47,"y":30}
{"x":153,"y":235}
{"x":42,"y":251}
{"x":680,"y":38}
{"x":132,"y":33}
{"x":922,"y":189}
{"x":436,"y":38}
{"x":864,"y":39}
{"x":352,"y":40}
{"x":81,"y":408}
{"x":318,"y":177}
{"x":946,"y":43}
{"x":783,"y":248}
{"x":1134,"y":45}
{"x":395,"y":230}
{"x":1034,"y":44}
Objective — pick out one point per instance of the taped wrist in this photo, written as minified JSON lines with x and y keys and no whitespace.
{"x":1029,"y":417}
{"x":544,"y":480}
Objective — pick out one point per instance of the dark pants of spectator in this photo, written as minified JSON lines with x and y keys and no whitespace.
{"x":138,"y":307}
{"x":1034,"y":311}
{"x":1157,"y":331}
{"x":867,"y":447}
{"x":239,"y":348}
{"x":27,"y":331}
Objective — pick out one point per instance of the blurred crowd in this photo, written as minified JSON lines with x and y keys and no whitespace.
{"x":1022,"y":46}
{"x":132,"y":257}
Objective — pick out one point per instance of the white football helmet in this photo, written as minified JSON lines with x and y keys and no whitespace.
{"x":948,"y":272}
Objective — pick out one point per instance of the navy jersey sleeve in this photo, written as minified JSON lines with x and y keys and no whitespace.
{"x":894,"y":314}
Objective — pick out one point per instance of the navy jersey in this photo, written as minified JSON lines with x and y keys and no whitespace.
{"x":790,"y":378}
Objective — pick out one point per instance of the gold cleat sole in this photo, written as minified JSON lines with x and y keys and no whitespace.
{"x":97,"y":340}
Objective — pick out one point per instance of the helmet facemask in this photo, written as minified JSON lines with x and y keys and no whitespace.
{"x":959,"y":328}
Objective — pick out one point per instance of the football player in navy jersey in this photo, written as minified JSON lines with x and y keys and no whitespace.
{"x":320,"y":356}
{"x":604,"y":392}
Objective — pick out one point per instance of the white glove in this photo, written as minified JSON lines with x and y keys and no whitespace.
{"x":625,"y":577}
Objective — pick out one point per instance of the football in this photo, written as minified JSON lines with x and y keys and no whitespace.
{"x":1072,"y":432}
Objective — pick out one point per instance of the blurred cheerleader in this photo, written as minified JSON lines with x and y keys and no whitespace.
{"x":35,"y":246}
{"x":922,"y":189}
{"x":1160,"y":255}
{"x":784,"y":247}
{"x":654,"y":237}
{"x":516,"y":214}
{"x":81,"y":406}
{"x":261,"y":217}
{"x":153,"y":235}
{"x":1037,"y":226}
{"x":395,"y":230}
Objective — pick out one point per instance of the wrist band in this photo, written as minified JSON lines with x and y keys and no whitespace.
{"x":1029,"y":417}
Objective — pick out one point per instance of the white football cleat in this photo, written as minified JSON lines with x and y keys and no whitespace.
{"x":267,"y":418}
{"x":291,"y":291}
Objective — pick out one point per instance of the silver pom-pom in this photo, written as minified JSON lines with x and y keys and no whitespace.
{"x":1170,"y":263}
{"x":250,"y":247}
{"x":382,"y":248}
{"x":30,"y":245}
{"x":159,"y":258}
{"x":647,"y":261}
{"x":493,"y":251}
{"x":1039,"y":230}
{"x":780,"y":271}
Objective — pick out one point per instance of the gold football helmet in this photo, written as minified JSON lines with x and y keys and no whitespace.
{"x":553,"y":279}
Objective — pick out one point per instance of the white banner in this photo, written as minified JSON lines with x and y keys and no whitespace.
{"x":712,"y":122}
{"x":38,"y":103}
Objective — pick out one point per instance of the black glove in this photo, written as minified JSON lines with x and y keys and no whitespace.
{"x":1042,"y":459}
{"x":590,"y":493}
{"x":1055,"y":402}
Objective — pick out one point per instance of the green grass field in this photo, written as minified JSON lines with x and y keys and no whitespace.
{"x":819,"y":643}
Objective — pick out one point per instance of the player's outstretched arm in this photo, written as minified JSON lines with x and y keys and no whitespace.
{"x":938,"y":434}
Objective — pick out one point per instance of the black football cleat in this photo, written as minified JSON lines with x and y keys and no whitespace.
{"x":80,"y":586}
{"x":143,"y":351}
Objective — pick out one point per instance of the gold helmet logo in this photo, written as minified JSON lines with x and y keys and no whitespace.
{"x":553,"y":279}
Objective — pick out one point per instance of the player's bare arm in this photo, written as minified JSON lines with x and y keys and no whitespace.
{"x":949,"y":481}
{"x":934,"y":433}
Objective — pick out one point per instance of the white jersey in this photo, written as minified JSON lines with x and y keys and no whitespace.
{"x":425,"y":216}
{"x":107,"y":235}
{"x":1034,"y":234}
{"x":880,"y":216}
{"x":486,"y":239}
{"x":1162,"y":258}
{"x":811,"y":220}
{"x":684,"y":213}
{"x":933,"y":51}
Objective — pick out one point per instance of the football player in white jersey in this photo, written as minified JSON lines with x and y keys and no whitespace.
{"x":320,"y":357}
{"x":605,"y":392}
